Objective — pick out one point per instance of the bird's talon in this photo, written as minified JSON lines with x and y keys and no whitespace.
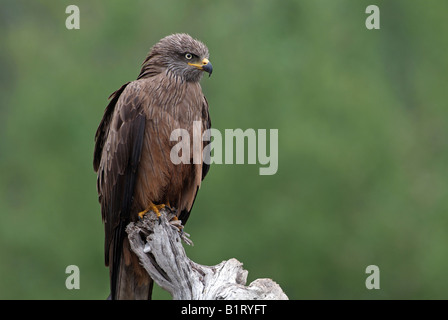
{"x":154,"y":208}
{"x":141,"y":214}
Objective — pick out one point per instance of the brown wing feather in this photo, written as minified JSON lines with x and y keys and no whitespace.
{"x":206,"y":124}
{"x":117,"y":154}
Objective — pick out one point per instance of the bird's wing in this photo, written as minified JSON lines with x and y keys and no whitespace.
{"x":206,"y":124}
{"x":103,"y":129}
{"x":118,"y":146}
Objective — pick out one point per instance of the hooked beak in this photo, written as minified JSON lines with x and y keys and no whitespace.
{"x":205,"y":65}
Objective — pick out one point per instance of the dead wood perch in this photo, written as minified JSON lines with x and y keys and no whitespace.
{"x":159,"y":248}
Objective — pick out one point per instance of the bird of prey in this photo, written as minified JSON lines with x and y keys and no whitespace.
{"x":132,"y":152}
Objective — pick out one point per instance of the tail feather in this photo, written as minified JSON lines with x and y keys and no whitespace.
{"x":128,"y":279}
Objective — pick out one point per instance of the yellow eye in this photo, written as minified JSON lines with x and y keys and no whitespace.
{"x":188,"y":56}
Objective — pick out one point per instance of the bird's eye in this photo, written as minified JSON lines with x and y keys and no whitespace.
{"x":188,"y":56}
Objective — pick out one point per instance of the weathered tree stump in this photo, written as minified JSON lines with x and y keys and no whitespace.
{"x":158,"y":244}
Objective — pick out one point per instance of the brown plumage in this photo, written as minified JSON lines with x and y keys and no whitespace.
{"x":132,"y":151}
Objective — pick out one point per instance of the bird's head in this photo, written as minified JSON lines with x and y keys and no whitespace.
{"x":179,"y":55}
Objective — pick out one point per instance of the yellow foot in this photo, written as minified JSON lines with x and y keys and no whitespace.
{"x":152,"y":207}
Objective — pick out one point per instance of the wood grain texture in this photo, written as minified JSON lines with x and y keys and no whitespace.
{"x":158,"y":245}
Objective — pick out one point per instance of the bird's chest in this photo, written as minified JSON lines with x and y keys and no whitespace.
{"x":175,"y":105}
{"x":173,"y":118}
{"x":173,"y":114}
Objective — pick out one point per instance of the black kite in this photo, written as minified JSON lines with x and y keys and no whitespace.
{"x":132,"y":152}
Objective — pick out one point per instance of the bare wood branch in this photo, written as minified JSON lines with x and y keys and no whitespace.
{"x":157,"y":243}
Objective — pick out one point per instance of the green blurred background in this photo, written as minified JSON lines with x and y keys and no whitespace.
{"x":362,"y":119}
